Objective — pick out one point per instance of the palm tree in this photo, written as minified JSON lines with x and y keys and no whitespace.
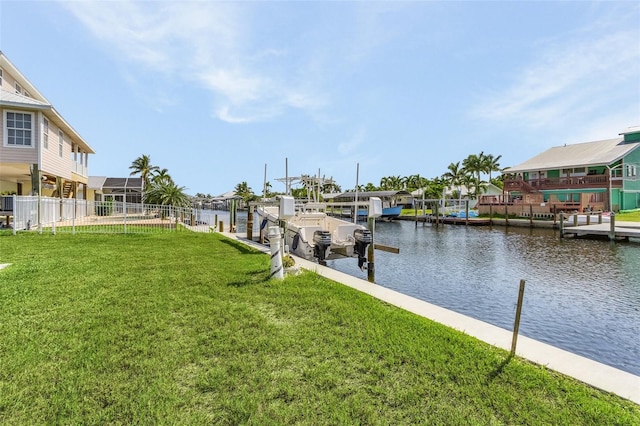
{"x":370,"y":187}
{"x":167,"y":194}
{"x":491,"y":164}
{"x":477,"y":164}
{"x":162,"y":176}
{"x":142,"y":166}
{"x":454,"y":175}
{"x":244,"y":191}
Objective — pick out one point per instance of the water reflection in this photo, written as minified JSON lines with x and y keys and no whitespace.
{"x":581,"y":295}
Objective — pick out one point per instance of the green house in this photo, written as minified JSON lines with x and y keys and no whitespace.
{"x":599,"y":175}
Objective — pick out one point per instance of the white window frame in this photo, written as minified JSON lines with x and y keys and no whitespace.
{"x":7,"y":128}
{"x":60,"y":143}
{"x":18,"y":88}
{"x":45,"y":133}
{"x":1,"y":80}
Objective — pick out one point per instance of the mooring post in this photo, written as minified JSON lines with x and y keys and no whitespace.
{"x":371,"y":270}
{"x":530,"y":215}
{"x":575,"y":219}
{"x":600,"y":217}
{"x":506,"y":214}
{"x":612,"y":226}
{"x":250,"y":223}
{"x":516,"y":325}
{"x":561,"y":224}
{"x":466,"y":212}
{"x":437,"y":215}
{"x":277,"y":271}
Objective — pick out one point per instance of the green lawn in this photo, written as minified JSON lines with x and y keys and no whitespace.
{"x":187,"y":329}
{"x":633,"y":216}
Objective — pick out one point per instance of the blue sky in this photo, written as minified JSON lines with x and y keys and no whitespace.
{"x":213,"y":91}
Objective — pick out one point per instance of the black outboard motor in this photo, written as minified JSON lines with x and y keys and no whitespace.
{"x":322,"y":240}
{"x":363,"y":239}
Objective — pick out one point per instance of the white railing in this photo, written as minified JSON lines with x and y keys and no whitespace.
{"x":53,"y":215}
{"x":78,"y":168}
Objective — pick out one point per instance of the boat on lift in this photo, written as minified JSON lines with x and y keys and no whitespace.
{"x":312,"y":234}
{"x":392,"y":203}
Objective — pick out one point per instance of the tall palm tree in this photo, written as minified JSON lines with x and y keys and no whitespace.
{"x":492,"y":164}
{"x":454,"y":175}
{"x":142,"y":166}
{"x":476,"y":164}
{"x":162,"y":176}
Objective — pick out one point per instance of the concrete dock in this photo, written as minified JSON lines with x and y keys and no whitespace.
{"x":622,"y":230}
{"x":601,"y":376}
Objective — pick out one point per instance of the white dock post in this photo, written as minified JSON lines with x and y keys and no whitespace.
{"x":277,"y":270}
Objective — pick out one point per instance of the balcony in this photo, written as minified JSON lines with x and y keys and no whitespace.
{"x":573,"y":182}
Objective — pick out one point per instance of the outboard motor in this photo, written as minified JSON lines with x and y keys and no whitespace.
{"x":363,"y":239}
{"x":322,"y":240}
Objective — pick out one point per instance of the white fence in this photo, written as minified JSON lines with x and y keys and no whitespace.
{"x":53,"y":215}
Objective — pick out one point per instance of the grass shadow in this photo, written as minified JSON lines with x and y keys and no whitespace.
{"x":239,"y":246}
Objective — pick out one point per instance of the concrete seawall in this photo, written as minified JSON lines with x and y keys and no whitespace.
{"x":601,"y":376}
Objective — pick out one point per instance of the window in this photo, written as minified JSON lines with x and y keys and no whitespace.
{"x":45,"y":134}
{"x":18,"y":129}
{"x":0,"y":76}
{"x":18,"y":89}
{"x":60,"y":142}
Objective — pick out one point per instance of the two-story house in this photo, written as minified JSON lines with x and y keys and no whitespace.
{"x":601,"y":175}
{"x":40,"y":153}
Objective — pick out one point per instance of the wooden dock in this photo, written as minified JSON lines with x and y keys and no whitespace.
{"x":449,"y":220}
{"x":619,"y":230}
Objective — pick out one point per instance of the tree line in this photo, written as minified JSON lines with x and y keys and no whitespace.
{"x":467,"y":173}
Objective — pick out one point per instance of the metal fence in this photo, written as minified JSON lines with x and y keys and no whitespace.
{"x":56,"y":215}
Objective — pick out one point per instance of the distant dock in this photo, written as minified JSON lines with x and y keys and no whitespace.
{"x":448,"y":220}
{"x":614,"y":230}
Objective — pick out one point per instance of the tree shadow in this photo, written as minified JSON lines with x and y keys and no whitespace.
{"x":241,"y":247}
{"x":257,"y":276}
{"x":498,"y":371}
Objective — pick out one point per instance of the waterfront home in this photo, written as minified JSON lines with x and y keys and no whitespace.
{"x":589,"y":176}
{"x":127,"y":189}
{"x":40,"y":153}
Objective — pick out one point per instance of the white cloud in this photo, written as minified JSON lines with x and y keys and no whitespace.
{"x":357,"y":139}
{"x":206,"y":43}
{"x":569,"y":77}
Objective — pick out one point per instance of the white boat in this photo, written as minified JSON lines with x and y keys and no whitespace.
{"x":313,"y":235}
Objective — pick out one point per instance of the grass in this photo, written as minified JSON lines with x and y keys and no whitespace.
{"x":632,"y":216}
{"x":187,"y":329}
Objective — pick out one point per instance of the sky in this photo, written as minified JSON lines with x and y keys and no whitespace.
{"x":217,"y":92}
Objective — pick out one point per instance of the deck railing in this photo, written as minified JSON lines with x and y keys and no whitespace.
{"x":573,"y":182}
{"x":61,"y":215}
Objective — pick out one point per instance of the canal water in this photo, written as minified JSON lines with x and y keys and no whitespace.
{"x":581,"y":295}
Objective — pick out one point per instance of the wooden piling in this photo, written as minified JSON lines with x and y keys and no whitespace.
{"x":250,"y":223}
{"x":530,"y":215}
{"x":516,"y":325}
{"x":561,"y":224}
{"x":466,"y":212}
{"x":612,"y":226}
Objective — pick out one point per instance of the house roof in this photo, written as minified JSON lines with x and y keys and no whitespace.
{"x":36,"y":101}
{"x":15,"y":100}
{"x":577,"y":155}
{"x":101,"y":182}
